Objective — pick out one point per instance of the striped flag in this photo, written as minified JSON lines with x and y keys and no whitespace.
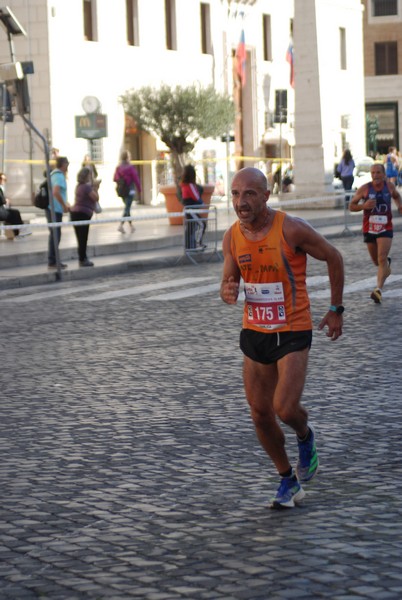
{"x":290,"y":60}
{"x":241,"y":56}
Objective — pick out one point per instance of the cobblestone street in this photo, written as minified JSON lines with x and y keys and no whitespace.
{"x":130,"y":467}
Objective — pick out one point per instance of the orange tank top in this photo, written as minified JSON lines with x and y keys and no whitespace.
{"x":274,"y":280}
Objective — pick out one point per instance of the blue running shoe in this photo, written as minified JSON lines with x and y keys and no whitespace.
{"x":289,"y":492}
{"x":307,"y":465}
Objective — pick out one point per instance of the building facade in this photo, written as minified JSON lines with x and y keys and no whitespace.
{"x":383,"y":74}
{"x":87,"y":53}
{"x":329,"y":85}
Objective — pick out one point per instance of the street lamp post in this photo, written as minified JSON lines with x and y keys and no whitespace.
{"x":12,"y":27}
{"x":13,"y":79}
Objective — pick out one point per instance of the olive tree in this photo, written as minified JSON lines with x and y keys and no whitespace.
{"x":180,"y":116}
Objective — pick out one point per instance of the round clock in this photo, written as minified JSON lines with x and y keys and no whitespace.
{"x":90,"y":104}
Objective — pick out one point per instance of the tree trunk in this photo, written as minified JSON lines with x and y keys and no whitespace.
{"x":178,"y":161}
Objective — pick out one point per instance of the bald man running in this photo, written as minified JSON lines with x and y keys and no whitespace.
{"x":268,"y":250}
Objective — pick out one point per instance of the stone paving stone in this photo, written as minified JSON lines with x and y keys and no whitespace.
{"x":294,"y":592}
{"x":368,"y":591}
{"x":20,"y":593}
{"x":141,"y":476}
{"x":347,"y":597}
{"x":159,"y":596}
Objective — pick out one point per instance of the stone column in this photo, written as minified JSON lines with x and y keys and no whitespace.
{"x":309,"y":151}
{"x":329,"y":90}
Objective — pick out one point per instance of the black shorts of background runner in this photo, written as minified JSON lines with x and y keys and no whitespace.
{"x":267,"y":348}
{"x":370,"y":238}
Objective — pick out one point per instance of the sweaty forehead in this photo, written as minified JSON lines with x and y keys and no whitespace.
{"x":247,"y":182}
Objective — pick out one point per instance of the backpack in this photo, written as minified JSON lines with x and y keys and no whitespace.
{"x":122,"y":188}
{"x":41,"y":199}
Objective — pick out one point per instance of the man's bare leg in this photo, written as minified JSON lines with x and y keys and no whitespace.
{"x":383,"y":271}
{"x":274,"y":391}
{"x":379,"y":255}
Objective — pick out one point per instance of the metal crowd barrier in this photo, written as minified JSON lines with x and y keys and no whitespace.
{"x":200,"y":232}
{"x":348,"y":196}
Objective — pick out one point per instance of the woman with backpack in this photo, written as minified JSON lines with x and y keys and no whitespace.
{"x":127,"y":180}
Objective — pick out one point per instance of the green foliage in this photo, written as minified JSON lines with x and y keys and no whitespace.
{"x":180,"y":116}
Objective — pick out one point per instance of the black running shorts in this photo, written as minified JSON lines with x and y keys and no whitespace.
{"x":267,"y":348}
{"x":370,"y":238}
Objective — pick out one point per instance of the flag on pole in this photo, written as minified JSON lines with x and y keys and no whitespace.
{"x":290,"y":60}
{"x":241,"y":56}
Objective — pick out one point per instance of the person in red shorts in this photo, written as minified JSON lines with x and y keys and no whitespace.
{"x":268,"y":250}
{"x":374,"y":199}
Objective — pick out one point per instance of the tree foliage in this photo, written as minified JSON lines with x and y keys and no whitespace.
{"x":180,"y":116}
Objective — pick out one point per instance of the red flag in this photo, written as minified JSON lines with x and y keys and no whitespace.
{"x":241,"y":56}
{"x":289,"y":58}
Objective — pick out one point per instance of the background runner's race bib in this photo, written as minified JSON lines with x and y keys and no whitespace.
{"x":377,"y":223}
{"x":265,"y":304}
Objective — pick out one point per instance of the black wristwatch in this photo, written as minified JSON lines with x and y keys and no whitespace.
{"x":337,"y":309}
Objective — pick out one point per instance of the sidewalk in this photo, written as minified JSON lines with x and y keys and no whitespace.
{"x":154,"y":243}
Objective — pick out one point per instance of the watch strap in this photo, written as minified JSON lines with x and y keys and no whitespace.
{"x":337,"y":309}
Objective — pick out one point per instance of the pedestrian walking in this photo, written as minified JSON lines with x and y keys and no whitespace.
{"x":345,"y":170}
{"x":59,"y":190}
{"x":88,"y":162}
{"x":268,"y":250}
{"x":391,"y":164}
{"x":374,"y":199}
{"x":127,"y":179}
{"x":86,"y":197}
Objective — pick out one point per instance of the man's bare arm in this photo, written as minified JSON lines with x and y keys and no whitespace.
{"x":231,"y":275}
{"x":300,"y":234}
